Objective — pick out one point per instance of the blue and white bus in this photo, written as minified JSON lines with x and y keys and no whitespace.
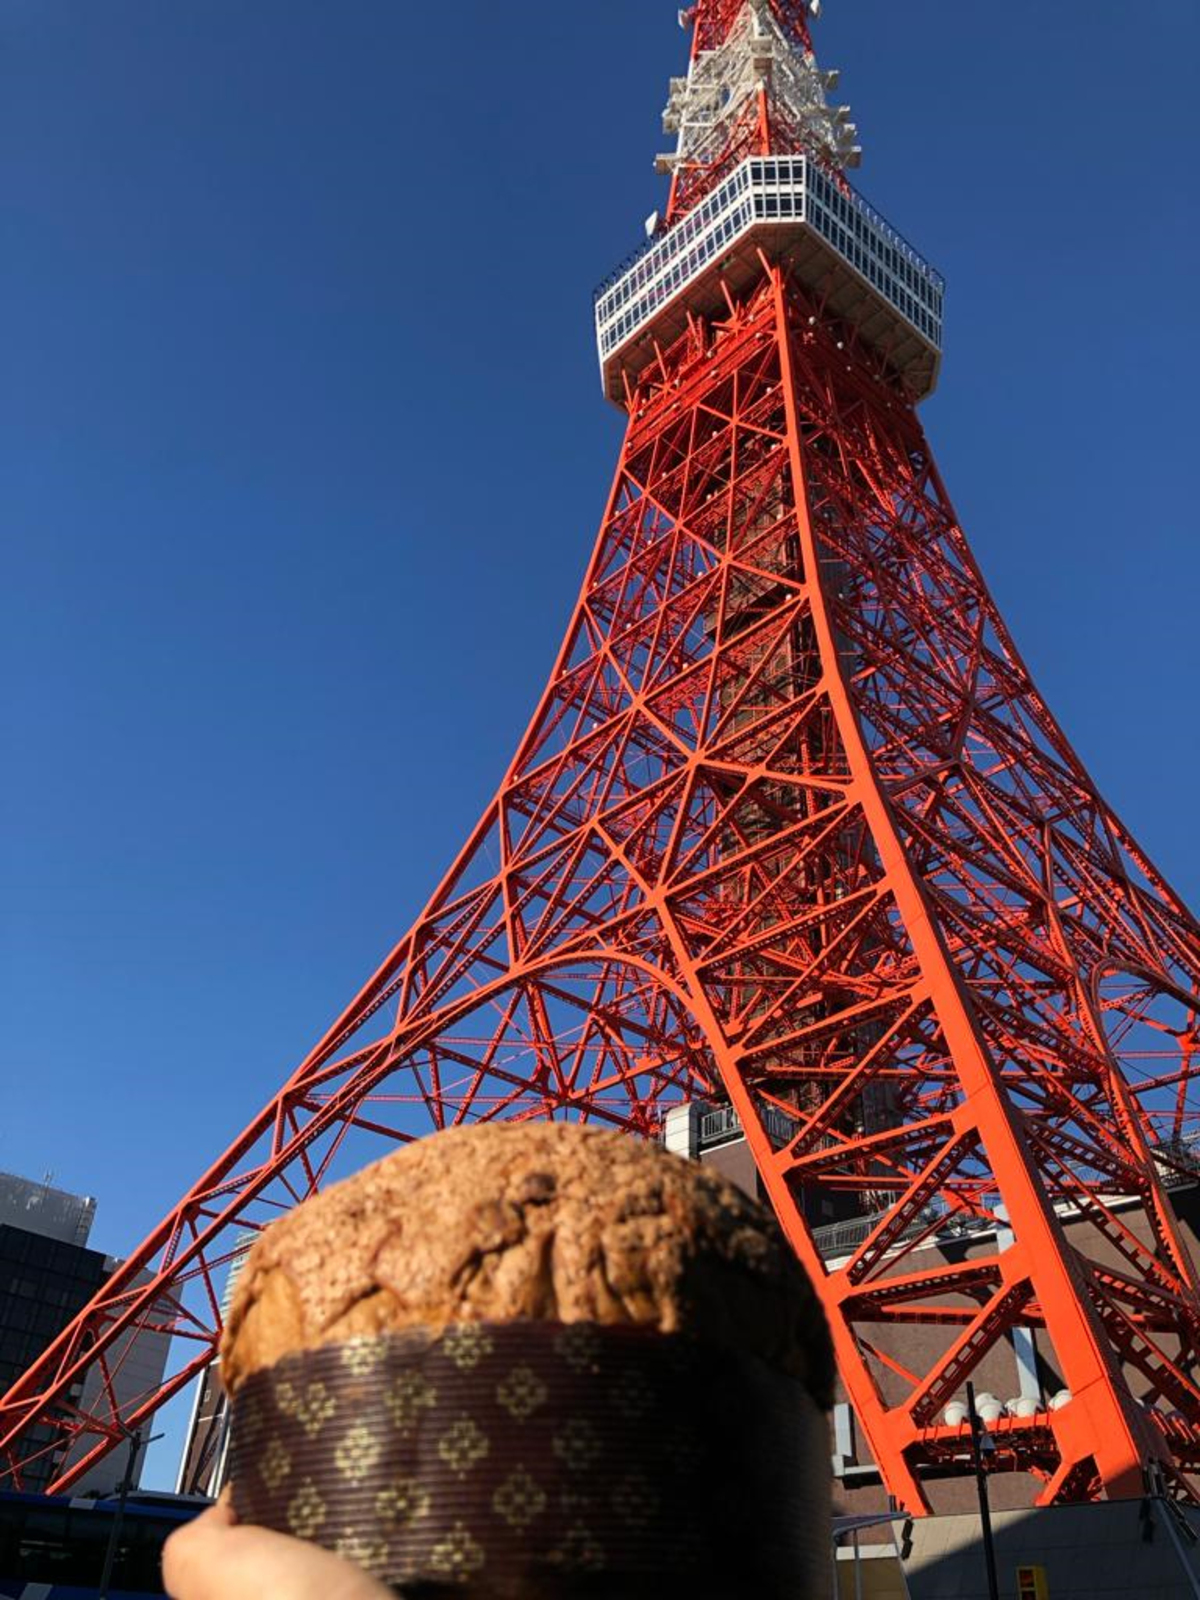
{"x":53,"y":1547}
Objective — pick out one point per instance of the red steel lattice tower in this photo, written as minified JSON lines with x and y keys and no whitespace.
{"x":791,"y":832}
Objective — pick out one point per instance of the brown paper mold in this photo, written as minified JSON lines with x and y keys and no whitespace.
{"x":536,"y":1361}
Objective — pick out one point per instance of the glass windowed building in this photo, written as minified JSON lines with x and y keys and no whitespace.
{"x":47,"y":1275}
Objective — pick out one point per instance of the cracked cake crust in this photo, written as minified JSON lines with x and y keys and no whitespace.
{"x":544,"y":1221}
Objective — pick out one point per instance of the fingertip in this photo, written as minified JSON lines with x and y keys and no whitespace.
{"x":180,"y":1552}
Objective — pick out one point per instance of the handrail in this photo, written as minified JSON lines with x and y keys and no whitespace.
{"x":861,"y":204}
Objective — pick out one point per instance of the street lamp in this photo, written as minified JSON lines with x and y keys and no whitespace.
{"x":114,"y":1533}
{"x":982,"y":1444}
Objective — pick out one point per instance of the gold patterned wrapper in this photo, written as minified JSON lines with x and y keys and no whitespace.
{"x":540,"y":1460}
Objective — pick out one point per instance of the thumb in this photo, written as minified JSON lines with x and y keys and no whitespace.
{"x":213,"y":1558}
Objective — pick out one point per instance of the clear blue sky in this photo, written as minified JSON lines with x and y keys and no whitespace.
{"x":302,"y":453}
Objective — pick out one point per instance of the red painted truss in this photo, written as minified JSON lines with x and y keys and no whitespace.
{"x":713,"y":19}
{"x":791,"y":831}
{"x":762,"y":126}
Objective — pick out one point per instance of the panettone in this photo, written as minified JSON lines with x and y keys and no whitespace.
{"x":536,"y":1362}
{"x":536,"y":1221}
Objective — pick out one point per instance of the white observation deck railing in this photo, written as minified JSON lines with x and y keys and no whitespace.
{"x":778,"y":201}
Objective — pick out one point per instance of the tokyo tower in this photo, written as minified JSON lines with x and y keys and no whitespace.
{"x":793,"y":835}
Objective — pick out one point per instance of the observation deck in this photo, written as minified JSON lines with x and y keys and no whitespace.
{"x":793,"y":211}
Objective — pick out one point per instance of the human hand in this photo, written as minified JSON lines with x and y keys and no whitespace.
{"x":213,"y":1558}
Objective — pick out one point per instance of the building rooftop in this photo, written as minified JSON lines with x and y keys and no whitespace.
{"x":42,"y":1209}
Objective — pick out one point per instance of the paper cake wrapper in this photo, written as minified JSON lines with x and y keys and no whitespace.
{"x":542,"y":1460}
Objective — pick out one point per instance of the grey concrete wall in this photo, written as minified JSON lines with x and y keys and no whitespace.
{"x":52,"y":1213}
{"x":1121,"y":1550}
